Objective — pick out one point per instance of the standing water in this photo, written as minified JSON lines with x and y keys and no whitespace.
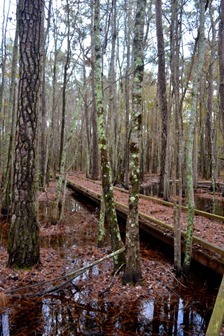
{"x":86,"y":308}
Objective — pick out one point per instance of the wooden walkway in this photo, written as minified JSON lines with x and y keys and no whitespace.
{"x":217,"y":318}
{"x":207,"y":253}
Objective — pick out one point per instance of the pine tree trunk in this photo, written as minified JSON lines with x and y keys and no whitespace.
{"x":23,"y":245}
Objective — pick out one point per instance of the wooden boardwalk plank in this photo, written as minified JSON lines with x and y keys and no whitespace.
{"x":217,"y":318}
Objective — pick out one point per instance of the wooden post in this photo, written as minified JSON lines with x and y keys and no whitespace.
{"x":217,"y":317}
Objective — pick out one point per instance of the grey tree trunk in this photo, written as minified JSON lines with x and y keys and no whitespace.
{"x":3,"y":61}
{"x":133,"y":271}
{"x":127,"y":92}
{"x":43,"y":120}
{"x":94,"y":162}
{"x":12,"y":106}
{"x":112,"y":117}
{"x":64,"y":89}
{"x":175,"y":39}
{"x":191,"y":136}
{"x":106,"y":176}
{"x":221,"y":62}
{"x":23,"y":245}
{"x":162,"y":97}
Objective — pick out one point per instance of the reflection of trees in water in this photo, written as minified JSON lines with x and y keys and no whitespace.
{"x":68,"y":314}
{"x":25,"y":318}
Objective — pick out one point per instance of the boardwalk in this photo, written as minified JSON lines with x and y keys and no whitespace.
{"x":156,"y":217}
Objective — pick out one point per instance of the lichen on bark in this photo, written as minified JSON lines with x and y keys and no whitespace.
{"x":133,"y":272}
{"x":106,"y":175}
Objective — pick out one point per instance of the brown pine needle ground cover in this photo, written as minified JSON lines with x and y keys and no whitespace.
{"x":54,"y":262}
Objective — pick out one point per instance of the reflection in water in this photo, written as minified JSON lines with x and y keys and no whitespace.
{"x":5,"y":323}
{"x":68,"y":314}
{"x":141,"y":318}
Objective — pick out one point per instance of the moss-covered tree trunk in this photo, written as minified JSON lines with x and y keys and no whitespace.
{"x":191,"y":136}
{"x":133,"y":272}
{"x":110,"y":212}
{"x":23,"y":245}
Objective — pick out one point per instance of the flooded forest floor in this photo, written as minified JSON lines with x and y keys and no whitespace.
{"x":96,"y":303}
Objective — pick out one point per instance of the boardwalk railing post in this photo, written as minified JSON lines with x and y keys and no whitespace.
{"x":217,"y":318}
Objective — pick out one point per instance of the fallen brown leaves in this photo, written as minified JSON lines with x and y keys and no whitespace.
{"x":75,"y":247}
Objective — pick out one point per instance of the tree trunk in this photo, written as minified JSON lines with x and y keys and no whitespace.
{"x":112,"y":117}
{"x":3,"y":60}
{"x":94,"y":162}
{"x":133,"y":272}
{"x":87,"y":121}
{"x":65,"y":80}
{"x":162,"y":95}
{"x":127,"y":94}
{"x":12,"y":106}
{"x":221,"y":62}
{"x":23,"y":245}
{"x":107,"y":186}
{"x":191,"y":136}
{"x":43,"y":119}
{"x":177,"y":124}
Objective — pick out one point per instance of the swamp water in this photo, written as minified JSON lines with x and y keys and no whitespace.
{"x":180,"y":312}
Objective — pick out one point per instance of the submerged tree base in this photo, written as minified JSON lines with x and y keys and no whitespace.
{"x":23,"y":245}
{"x":132,"y":278}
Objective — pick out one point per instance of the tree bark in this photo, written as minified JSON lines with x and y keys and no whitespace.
{"x":23,"y":245}
{"x":112,"y":116}
{"x":12,"y":106}
{"x":94,"y":162}
{"x":43,"y":120}
{"x":163,"y":96}
{"x":178,"y":137}
{"x":221,"y":62}
{"x":191,"y":136}
{"x":65,"y":80}
{"x":106,"y":175}
{"x":133,"y":272}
